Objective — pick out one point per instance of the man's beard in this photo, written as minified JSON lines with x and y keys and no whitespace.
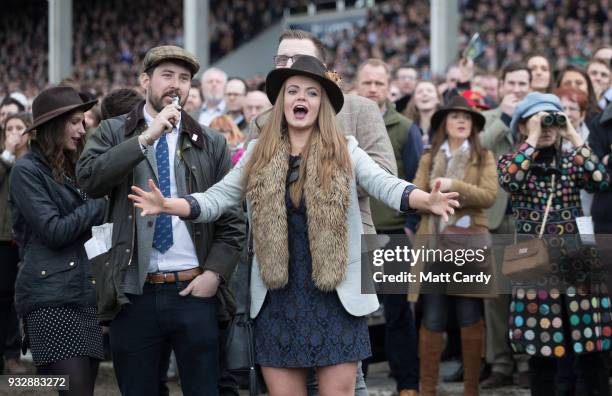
{"x":157,"y":102}
{"x":213,"y":98}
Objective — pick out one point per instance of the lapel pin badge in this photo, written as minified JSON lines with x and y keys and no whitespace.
{"x":194,"y":137}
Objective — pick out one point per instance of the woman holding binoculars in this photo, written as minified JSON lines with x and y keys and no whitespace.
{"x":561,"y":319}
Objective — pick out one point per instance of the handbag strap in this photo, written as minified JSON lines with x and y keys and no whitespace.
{"x":249,"y":269}
{"x":253,"y":388}
{"x":548,"y":204}
{"x":546,"y":210}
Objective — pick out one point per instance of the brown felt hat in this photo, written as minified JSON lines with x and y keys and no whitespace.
{"x":458,"y":103}
{"x":56,"y":102}
{"x":309,"y":66}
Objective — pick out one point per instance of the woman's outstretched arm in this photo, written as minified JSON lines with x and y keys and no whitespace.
{"x":154,"y":203}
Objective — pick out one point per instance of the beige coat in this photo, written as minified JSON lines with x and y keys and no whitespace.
{"x":477,"y":191}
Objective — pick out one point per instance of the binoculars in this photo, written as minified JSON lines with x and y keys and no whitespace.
{"x":551,"y":119}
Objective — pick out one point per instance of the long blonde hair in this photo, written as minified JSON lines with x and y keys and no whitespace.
{"x":326,"y":136}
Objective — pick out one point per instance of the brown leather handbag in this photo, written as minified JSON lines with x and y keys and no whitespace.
{"x":529,"y":258}
{"x":474,"y":238}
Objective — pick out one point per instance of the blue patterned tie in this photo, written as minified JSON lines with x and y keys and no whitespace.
{"x":162,"y":238}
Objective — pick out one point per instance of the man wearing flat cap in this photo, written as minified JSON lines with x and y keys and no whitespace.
{"x":163,"y":282}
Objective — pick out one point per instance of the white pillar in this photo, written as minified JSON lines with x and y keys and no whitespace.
{"x":311,"y":9}
{"x":195,"y":28}
{"x":60,"y":40}
{"x":444,"y":34}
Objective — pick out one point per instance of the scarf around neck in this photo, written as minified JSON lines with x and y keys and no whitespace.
{"x":326,"y":209}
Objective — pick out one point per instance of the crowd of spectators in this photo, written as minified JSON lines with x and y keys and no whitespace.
{"x":111,"y":36}
{"x":567,"y":31}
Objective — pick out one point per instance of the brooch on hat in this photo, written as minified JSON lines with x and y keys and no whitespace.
{"x":334,"y":76}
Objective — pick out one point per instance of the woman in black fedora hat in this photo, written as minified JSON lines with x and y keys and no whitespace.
{"x":457,"y":162}
{"x":300,"y":179}
{"x":52,"y":218}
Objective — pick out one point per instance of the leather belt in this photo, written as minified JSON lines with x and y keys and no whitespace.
{"x":171,"y":277}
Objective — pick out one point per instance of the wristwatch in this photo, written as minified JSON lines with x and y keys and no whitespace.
{"x":147,"y":139}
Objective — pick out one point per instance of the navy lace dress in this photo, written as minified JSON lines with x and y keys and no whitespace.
{"x":301,"y":326}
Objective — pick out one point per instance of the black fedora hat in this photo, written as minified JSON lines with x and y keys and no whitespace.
{"x":457,"y":103}
{"x":308,"y":66}
{"x":55,"y":102}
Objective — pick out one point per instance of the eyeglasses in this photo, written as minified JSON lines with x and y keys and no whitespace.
{"x":281,"y":60}
{"x":294,"y":168}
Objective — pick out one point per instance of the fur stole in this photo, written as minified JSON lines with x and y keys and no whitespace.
{"x":326,"y":209}
{"x":453,"y":168}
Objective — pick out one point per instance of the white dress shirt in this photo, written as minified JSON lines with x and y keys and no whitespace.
{"x":181,"y":255}
{"x":465,"y":146}
{"x":207,"y":114}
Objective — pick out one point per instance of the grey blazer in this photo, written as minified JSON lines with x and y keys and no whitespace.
{"x":497,"y":137}
{"x":371,"y":177}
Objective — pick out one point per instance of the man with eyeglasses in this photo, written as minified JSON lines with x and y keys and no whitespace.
{"x":235,"y":91}
{"x":360,"y":118}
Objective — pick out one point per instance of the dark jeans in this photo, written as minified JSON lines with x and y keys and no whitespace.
{"x":10,"y":338}
{"x":400,"y":331}
{"x":5,"y":307}
{"x":159,"y":317}
{"x":584,"y":375}
{"x":13,"y":335}
{"x":401,"y":341}
{"x":228,"y":385}
{"x":436,"y":307}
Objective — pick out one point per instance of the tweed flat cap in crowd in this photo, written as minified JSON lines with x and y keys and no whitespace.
{"x":164,"y":53}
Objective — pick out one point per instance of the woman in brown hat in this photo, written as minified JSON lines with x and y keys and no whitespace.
{"x":300,"y":179}
{"x":52,"y":218}
{"x":458,"y":163}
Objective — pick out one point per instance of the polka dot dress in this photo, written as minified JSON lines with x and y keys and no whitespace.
{"x":569,"y":309}
{"x":59,"y":333}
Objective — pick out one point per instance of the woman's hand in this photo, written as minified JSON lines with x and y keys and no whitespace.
{"x":151,"y":203}
{"x":446,"y":183}
{"x":534,"y":128}
{"x":466,"y":70}
{"x":442,"y":204}
{"x":11,"y":142}
{"x":569,"y":132}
